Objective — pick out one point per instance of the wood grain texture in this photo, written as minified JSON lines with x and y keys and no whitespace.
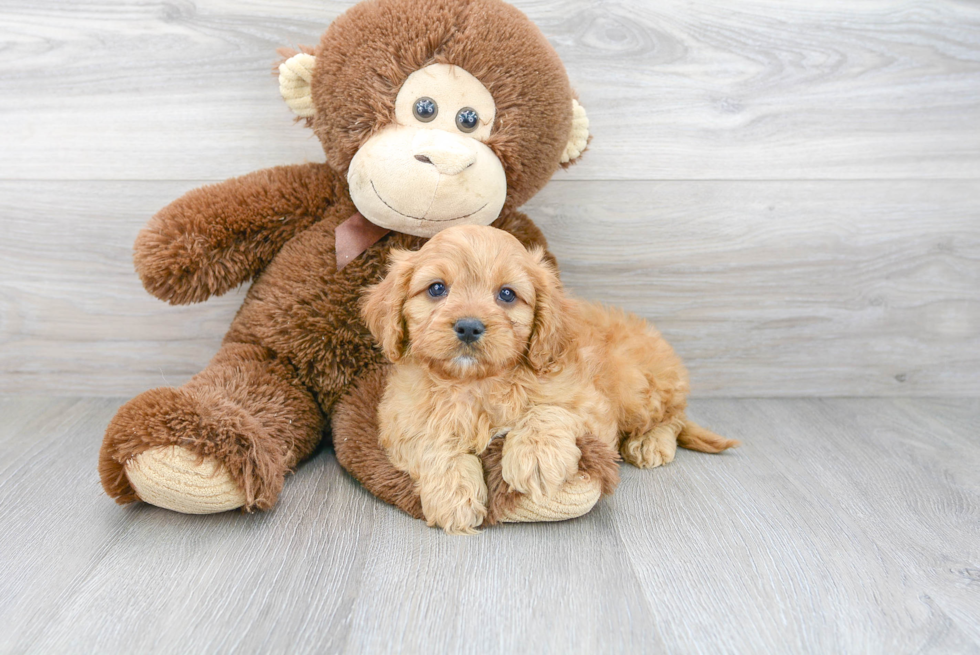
{"x":787,"y":288}
{"x":758,"y":89}
{"x":765,"y":288}
{"x":840,"y":526}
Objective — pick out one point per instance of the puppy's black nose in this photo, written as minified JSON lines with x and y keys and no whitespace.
{"x":469,"y":330}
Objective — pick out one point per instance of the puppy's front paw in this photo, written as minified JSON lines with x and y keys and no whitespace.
{"x":456,"y":501}
{"x":655,"y":448}
{"x":537,"y":466}
{"x":462,"y":515}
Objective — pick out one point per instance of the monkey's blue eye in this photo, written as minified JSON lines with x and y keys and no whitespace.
{"x":437,"y":289}
{"x":425,"y":109}
{"x":467,"y":119}
{"x":506,"y":295}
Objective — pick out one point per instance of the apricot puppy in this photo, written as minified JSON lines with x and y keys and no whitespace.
{"x":487,"y":344}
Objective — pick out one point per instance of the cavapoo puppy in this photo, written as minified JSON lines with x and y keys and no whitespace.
{"x":487,"y":344}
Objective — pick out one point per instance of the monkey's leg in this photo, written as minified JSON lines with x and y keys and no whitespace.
{"x":225,"y":439}
{"x":355,"y":441}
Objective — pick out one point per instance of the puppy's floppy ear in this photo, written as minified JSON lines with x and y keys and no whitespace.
{"x":549,"y":336}
{"x":382,"y":306}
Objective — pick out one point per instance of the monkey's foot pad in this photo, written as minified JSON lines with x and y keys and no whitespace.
{"x":574,"y":499}
{"x":176,"y":479}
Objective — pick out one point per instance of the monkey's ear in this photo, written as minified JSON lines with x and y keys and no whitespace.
{"x":578,"y":138}
{"x":294,"y":83}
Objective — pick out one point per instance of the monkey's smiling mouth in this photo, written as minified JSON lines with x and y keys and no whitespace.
{"x":420,"y":218}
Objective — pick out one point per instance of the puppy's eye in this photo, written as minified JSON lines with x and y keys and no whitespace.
{"x":467,"y":120}
{"x":506,"y":295}
{"x":437,"y":290}
{"x":425,"y":109}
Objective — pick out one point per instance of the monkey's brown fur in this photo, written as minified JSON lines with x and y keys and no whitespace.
{"x":297,"y":355}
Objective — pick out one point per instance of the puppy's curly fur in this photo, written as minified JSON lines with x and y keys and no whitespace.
{"x":527,"y":363}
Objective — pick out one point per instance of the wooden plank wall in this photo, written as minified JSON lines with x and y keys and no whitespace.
{"x":790,"y":190}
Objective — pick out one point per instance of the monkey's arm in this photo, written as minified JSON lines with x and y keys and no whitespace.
{"x":221,"y":235}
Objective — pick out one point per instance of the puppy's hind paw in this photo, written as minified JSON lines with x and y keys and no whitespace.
{"x":655,"y":448}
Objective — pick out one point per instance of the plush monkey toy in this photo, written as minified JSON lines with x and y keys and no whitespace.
{"x":431,"y":113}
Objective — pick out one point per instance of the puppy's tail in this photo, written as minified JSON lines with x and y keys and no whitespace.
{"x":694,"y":437}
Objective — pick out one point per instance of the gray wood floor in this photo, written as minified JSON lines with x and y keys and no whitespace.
{"x":842,"y":526}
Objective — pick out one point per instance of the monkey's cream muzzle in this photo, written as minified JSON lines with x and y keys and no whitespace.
{"x":420,"y":181}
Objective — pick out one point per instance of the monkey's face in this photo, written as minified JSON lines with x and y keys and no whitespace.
{"x":431,"y":168}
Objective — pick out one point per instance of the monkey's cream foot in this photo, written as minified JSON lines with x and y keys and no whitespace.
{"x":655,"y":448}
{"x":573,"y":499}
{"x":176,"y":479}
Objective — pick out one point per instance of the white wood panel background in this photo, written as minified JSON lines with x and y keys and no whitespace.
{"x":791,"y":192}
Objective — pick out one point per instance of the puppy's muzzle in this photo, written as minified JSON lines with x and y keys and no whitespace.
{"x":469,"y":330}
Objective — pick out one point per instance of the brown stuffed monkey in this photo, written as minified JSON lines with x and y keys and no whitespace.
{"x":431,"y":113}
